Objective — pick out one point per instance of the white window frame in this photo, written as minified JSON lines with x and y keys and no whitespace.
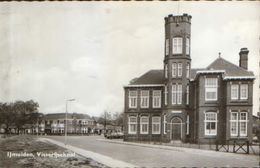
{"x":243,"y":121}
{"x":174,"y":94}
{"x":167,"y":46}
{"x":144,"y":123}
{"x":132,"y":123}
{"x":179,"y":69}
{"x":144,"y":99}
{"x":187,"y":45}
{"x":234,"y":91}
{"x":133,"y":99}
{"x":188,"y":70}
{"x":157,"y":94}
{"x":164,"y":124}
{"x":179,"y":94}
{"x":156,"y":125}
{"x":236,"y":124}
{"x":188,"y":125}
{"x":166,"y":95}
{"x":211,"y":88}
{"x":177,"y":45}
{"x":187,"y":94}
{"x":174,"y":69}
{"x":166,"y":71}
{"x":244,"y":86}
{"x":211,"y":132}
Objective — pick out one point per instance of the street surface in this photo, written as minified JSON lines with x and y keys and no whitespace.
{"x":155,"y":157}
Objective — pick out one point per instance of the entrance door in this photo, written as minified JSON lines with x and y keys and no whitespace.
{"x":176,"y":128}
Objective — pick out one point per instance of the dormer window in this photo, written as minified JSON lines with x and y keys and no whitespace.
{"x":177,"y":45}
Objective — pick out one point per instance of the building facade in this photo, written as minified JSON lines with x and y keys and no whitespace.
{"x":189,"y":105}
{"x":76,"y":124}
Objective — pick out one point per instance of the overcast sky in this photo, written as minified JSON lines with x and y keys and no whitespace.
{"x":53,"y":51}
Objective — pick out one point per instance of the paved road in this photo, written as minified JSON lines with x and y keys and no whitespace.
{"x":154,"y":157}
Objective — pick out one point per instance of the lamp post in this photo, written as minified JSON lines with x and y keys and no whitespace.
{"x":66,"y":120}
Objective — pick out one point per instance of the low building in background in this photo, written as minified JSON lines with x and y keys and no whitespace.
{"x":76,"y":124}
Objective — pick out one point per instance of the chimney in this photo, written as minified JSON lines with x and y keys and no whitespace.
{"x":243,"y":60}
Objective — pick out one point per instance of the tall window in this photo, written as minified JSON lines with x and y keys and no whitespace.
{"x":174,"y":94}
{"x":234,"y":92}
{"x":188,"y":70}
{"x":132,"y":125}
{"x":177,"y":45}
{"x":243,"y":91}
{"x":165,"y":95}
{"x":187,"y":94}
{"x":174,"y":69}
{"x":210,"y":123}
{"x":179,"y":69}
{"x":167,"y":47}
{"x":187,"y":46}
{"x":164,"y":124}
{"x":144,"y":122}
{"x":133,"y":99}
{"x":243,"y":124}
{"x":156,"y":98}
{"x":234,"y":124}
{"x":179,"y":94}
{"x":166,"y":71}
{"x":188,"y":125}
{"x":211,"y":89}
{"x":144,"y":98}
{"x":156,"y":124}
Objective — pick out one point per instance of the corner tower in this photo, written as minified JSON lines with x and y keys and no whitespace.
{"x":177,"y":59}
{"x":177,"y":63}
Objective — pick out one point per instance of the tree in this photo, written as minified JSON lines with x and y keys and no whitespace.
{"x":18,"y":114}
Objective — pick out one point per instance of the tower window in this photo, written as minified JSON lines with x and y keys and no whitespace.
{"x":165,"y":95}
{"x":188,"y":70}
{"x":187,"y":46}
{"x":176,"y":94}
{"x":177,"y":45}
{"x":166,"y":71}
{"x":187,"y":94}
{"x":179,"y":69}
{"x":167,"y":47}
{"x":174,"y":69}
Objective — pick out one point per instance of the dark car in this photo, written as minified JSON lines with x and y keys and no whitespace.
{"x":115,"y":135}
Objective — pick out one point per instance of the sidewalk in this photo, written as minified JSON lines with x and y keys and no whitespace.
{"x":108,"y":161}
{"x":179,"y":149}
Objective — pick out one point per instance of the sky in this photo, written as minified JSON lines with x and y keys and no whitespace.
{"x":54,"y":51}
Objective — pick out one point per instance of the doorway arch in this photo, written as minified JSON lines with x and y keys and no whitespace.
{"x":176,"y":128}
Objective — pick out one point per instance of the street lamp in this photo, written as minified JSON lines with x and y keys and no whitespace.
{"x":66,"y":120}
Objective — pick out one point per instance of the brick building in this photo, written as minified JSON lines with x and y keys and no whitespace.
{"x":77,"y":123}
{"x":191,"y":105}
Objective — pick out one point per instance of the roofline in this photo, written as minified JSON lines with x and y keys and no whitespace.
{"x":145,"y":85}
{"x":238,"y":77}
{"x":208,"y":72}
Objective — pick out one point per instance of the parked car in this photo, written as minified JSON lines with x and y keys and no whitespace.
{"x":115,"y":135}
